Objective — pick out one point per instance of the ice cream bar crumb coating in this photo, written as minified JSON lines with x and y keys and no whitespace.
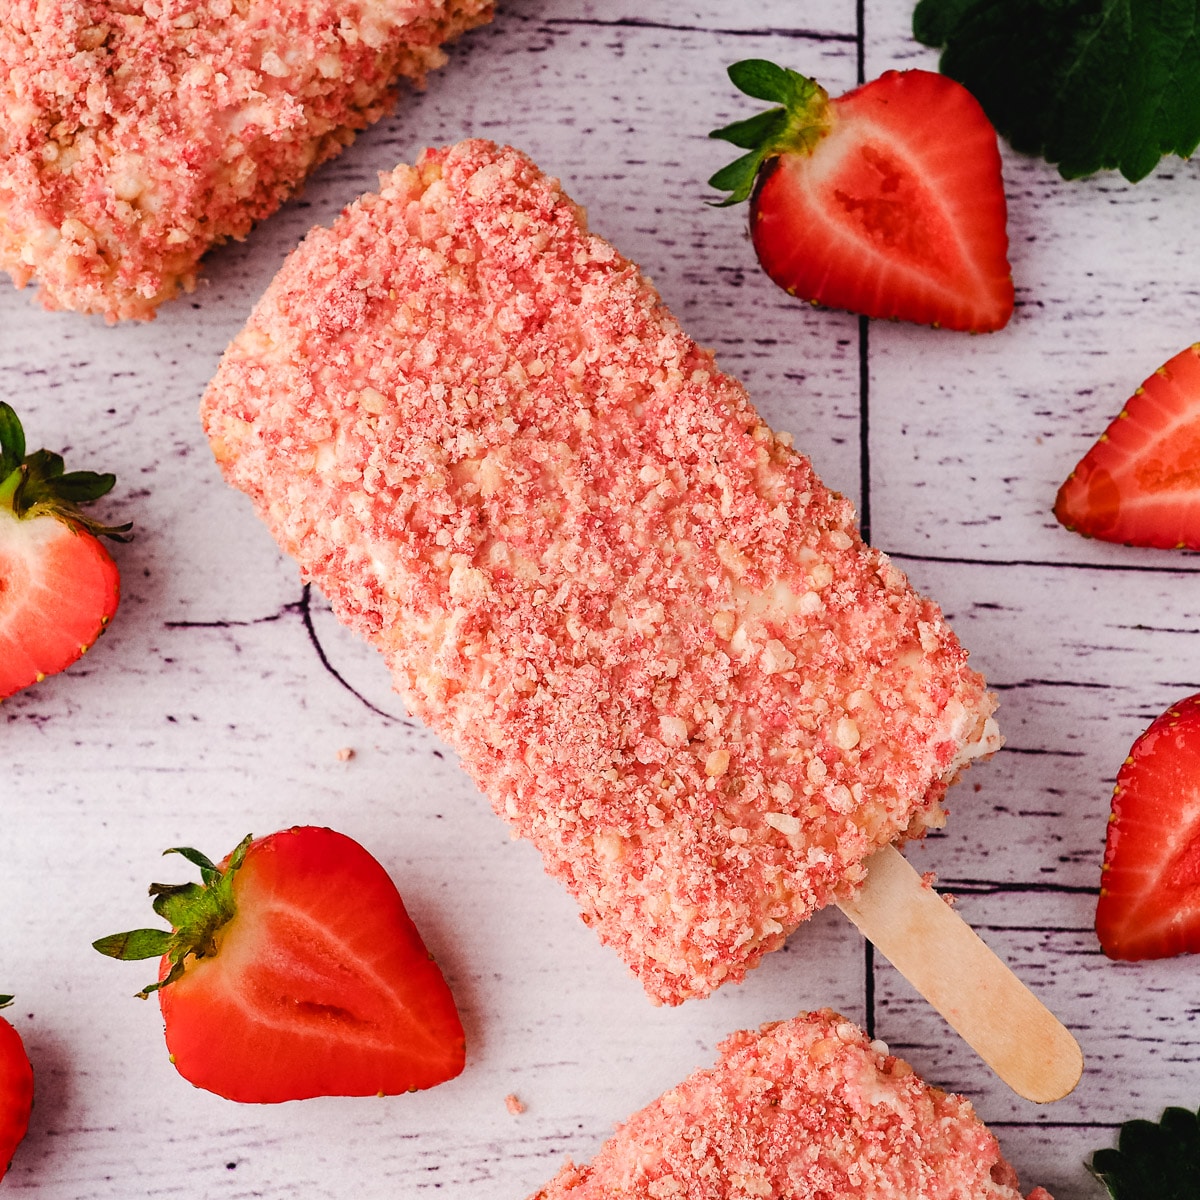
{"x":808,"y":1109}
{"x":136,"y":135}
{"x":654,"y":637}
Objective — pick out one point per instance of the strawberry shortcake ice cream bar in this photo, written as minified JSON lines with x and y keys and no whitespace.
{"x":804,"y":1110}
{"x":136,"y":134}
{"x":654,"y":637}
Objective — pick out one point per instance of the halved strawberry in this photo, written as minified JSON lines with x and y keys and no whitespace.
{"x":16,"y":1090}
{"x":1150,"y":883}
{"x":1140,"y":483}
{"x":59,"y":587}
{"x":295,"y":971}
{"x":887,"y":201}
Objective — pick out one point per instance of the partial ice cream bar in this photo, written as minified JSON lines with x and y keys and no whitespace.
{"x":135,"y":136}
{"x":656,"y":640}
{"x":805,"y":1108}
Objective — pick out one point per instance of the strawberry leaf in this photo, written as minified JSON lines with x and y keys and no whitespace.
{"x":737,"y":178}
{"x":795,"y":127}
{"x":1153,"y":1160}
{"x":12,"y":440}
{"x":37,"y":484}
{"x":208,"y":871}
{"x":751,"y":133}
{"x":82,"y":487}
{"x":134,"y":944}
{"x":1089,"y":85}
{"x":197,"y":912}
{"x":933,"y":23}
{"x":765,"y":80}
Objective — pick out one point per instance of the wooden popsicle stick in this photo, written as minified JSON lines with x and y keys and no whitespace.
{"x":950,"y":965}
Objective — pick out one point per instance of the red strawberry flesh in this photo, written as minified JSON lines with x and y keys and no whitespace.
{"x":16,"y":1092}
{"x":1140,"y":483}
{"x":1149,"y":903}
{"x":58,"y":589}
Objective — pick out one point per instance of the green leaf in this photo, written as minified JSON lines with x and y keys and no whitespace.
{"x":1089,"y":85}
{"x":1153,"y":1161}
{"x":32,"y":485}
{"x":793,"y":129}
{"x":175,"y":902}
{"x":751,"y":133}
{"x":934,"y":20}
{"x":208,"y":871}
{"x":737,"y":178}
{"x":44,"y":465}
{"x":764,"y":80}
{"x":197,"y":912}
{"x":82,"y":487}
{"x":12,"y":440}
{"x":134,"y":945}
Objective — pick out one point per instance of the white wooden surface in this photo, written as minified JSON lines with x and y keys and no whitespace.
{"x":217,"y":703}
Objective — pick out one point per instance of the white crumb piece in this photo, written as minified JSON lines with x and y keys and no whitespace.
{"x":846,"y":734}
{"x":788,"y":825}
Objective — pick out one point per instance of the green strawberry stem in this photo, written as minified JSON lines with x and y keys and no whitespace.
{"x":5,"y":1001}
{"x":34,"y":485}
{"x":196,"y":912}
{"x":794,"y":128}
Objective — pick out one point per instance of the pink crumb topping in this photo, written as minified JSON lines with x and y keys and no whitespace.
{"x":807,"y":1108}
{"x":136,"y":134}
{"x":654,"y":637}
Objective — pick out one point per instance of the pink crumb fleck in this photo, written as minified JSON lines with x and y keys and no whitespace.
{"x":345,"y":754}
{"x":514,"y":1104}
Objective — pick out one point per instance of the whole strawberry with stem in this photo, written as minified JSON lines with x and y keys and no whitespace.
{"x":59,"y":587}
{"x":16,"y":1090}
{"x":886,"y":201}
{"x":293,"y":970}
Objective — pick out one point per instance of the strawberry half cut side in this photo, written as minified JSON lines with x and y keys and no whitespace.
{"x":16,"y":1090}
{"x":1149,"y":903}
{"x":294,"y":971}
{"x":886,"y":201}
{"x":59,"y":587}
{"x":1140,"y":483}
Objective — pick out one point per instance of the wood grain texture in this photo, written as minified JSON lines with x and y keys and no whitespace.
{"x":218,"y":701}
